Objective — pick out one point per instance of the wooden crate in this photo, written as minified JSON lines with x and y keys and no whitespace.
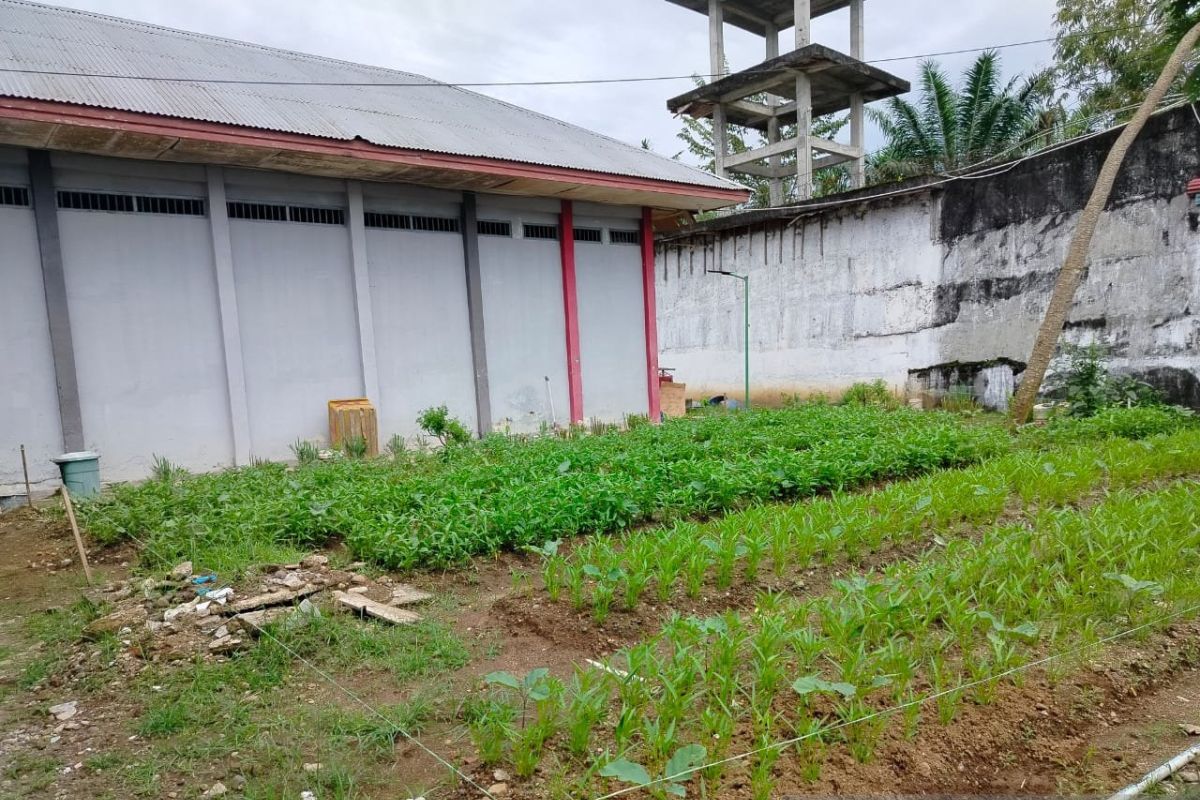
{"x":352,"y":418}
{"x":672,"y":398}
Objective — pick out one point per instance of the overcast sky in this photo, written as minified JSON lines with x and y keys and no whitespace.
{"x":524,"y":40}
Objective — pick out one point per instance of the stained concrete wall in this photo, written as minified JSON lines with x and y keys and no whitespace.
{"x":30,"y":401}
{"x":524,"y":321}
{"x":612,"y":334}
{"x":953,"y":274}
{"x":419,"y":303}
{"x":143,"y":307}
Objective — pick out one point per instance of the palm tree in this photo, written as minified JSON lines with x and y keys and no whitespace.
{"x":950,"y":129}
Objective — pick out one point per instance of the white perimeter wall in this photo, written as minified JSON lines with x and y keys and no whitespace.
{"x":524,"y":320}
{"x":612,"y":329}
{"x":29,"y":413}
{"x":832,"y":300}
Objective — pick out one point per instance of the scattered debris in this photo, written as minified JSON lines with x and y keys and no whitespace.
{"x":266,"y":599}
{"x":313,"y":767}
{"x":357,"y":602}
{"x":194,"y":612}
{"x":1190,"y":730}
{"x":64,"y":711}
{"x":498,"y":789}
{"x":307,"y":795}
{"x":216,"y":790}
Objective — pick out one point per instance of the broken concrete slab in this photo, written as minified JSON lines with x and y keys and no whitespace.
{"x":64,"y":711}
{"x":253,"y":621}
{"x":403,"y":595}
{"x":128,"y":617}
{"x":268,"y":599}
{"x":365,"y":605}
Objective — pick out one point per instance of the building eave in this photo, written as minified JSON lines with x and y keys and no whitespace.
{"x":99,"y":131}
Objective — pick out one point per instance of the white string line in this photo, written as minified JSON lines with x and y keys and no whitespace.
{"x":895,"y":709}
{"x":411,"y":738}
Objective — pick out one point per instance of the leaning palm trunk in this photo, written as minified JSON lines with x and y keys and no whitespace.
{"x":1072,"y":270}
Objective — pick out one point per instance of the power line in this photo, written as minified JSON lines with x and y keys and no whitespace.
{"x":498,"y":84}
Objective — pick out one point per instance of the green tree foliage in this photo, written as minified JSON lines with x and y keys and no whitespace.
{"x":1111,"y":51}
{"x":948,"y":128}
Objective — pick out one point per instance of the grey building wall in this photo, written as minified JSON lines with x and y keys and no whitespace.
{"x":419,"y":299}
{"x":295,"y":296}
{"x":142,"y":301}
{"x":208,"y":341}
{"x":523,"y":317}
{"x":30,"y":408}
{"x":946,"y":280}
{"x":612,"y":333}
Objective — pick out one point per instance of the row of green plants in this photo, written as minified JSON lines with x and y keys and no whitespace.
{"x":768,"y":545}
{"x":922,"y":637}
{"x":437,"y":509}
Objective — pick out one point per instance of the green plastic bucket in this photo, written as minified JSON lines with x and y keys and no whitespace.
{"x":80,"y":473}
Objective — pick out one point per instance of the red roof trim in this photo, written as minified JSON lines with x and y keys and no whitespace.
{"x":134,"y":122}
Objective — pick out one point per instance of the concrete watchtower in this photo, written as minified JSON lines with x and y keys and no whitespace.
{"x":811,"y":80}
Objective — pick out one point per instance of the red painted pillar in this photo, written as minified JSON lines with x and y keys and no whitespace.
{"x":566,"y":243}
{"x":650,"y":312}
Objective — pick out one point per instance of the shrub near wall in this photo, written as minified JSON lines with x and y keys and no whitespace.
{"x":436,"y":509}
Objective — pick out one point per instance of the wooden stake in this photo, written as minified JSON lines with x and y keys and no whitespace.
{"x":87,"y":570}
{"x":25,"y":467}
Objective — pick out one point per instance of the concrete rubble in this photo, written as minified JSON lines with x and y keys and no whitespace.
{"x":192,"y":612}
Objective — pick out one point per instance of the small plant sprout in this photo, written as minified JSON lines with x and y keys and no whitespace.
{"x":681,"y":767}
{"x":534,"y":687}
{"x":1133,"y":589}
{"x":355,"y":447}
{"x":306,"y":452}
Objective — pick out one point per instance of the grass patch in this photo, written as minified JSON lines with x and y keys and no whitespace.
{"x":255,"y":703}
{"x":435,"y":509}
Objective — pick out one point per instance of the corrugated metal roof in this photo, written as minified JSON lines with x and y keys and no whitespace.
{"x":435,"y":118}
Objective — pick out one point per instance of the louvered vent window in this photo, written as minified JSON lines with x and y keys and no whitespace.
{"x":267,"y":212}
{"x":95,"y":201}
{"x":188,"y":206}
{"x":624,"y":237}
{"x":541,"y":231}
{"x":317,"y":216}
{"x":435,"y":224}
{"x":14,"y":196}
{"x":394,"y":222}
{"x":488,"y":227}
{"x":587,"y":234}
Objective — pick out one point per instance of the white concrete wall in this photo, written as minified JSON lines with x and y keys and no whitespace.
{"x":419,"y":304}
{"x":524,"y":320}
{"x":612,"y":332}
{"x":832,"y":300}
{"x":849,"y":295}
{"x":295,"y":297}
{"x":142,"y":300}
{"x":29,"y":411}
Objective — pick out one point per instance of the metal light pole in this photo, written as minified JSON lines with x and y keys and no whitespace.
{"x":745,"y":279}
